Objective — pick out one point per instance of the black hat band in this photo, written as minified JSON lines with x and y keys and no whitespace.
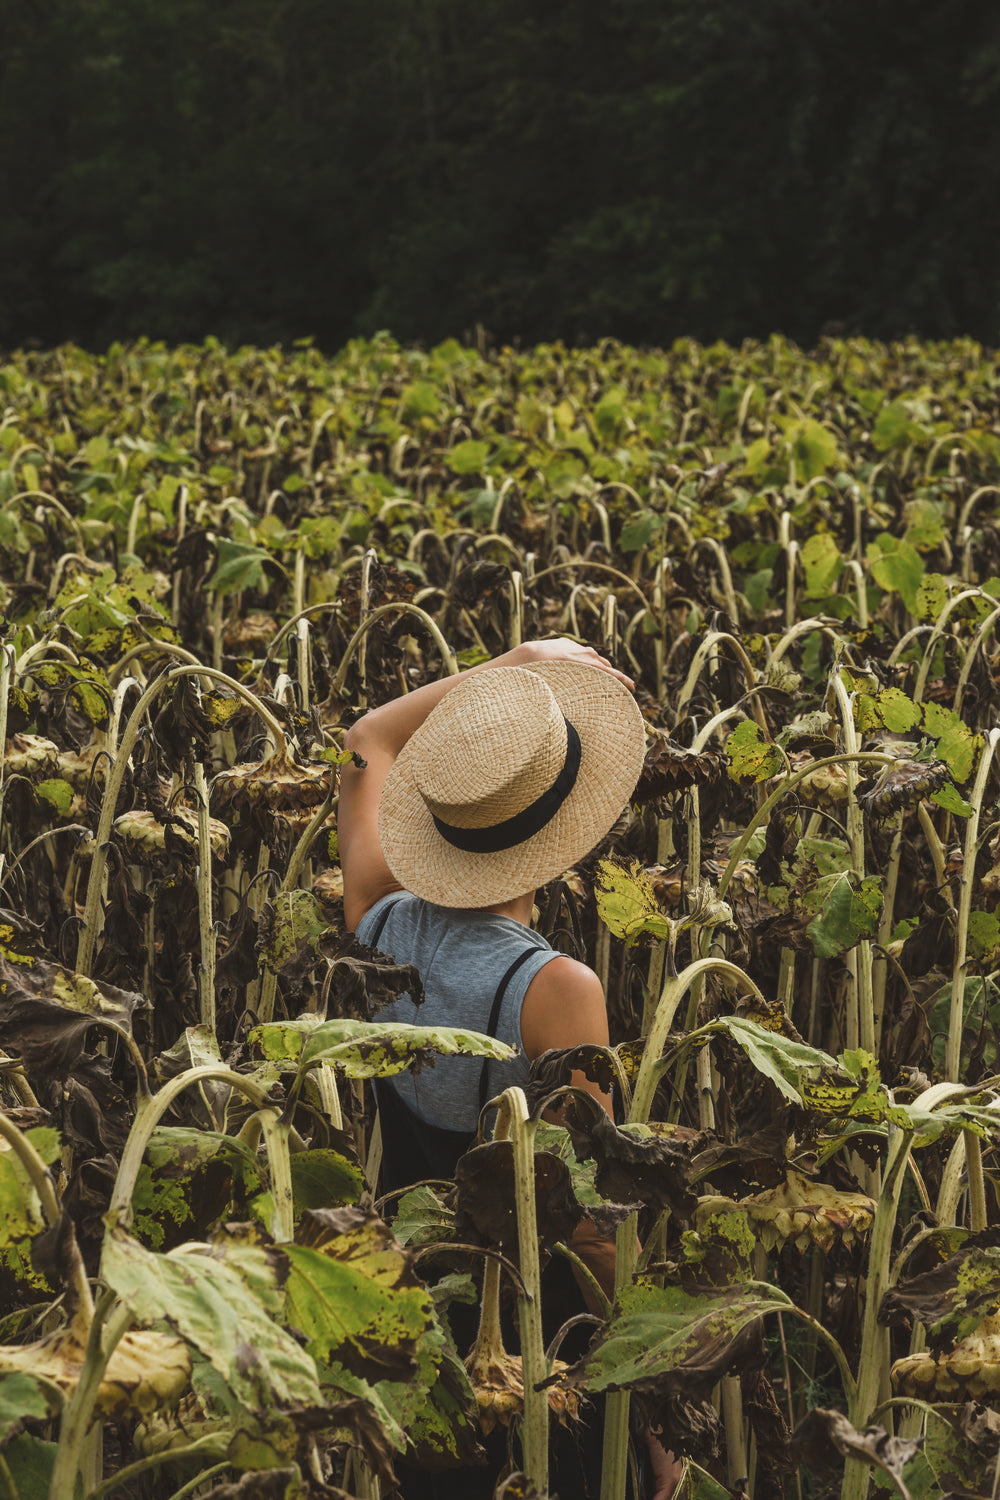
{"x":525,"y":824}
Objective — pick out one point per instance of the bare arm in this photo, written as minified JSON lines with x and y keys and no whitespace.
{"x":378,"y":738}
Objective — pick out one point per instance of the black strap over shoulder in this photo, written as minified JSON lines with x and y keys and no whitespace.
{"x":412,"y":1149}
{"x":494,"y":1021}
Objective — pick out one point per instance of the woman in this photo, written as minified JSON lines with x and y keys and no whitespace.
{"x":473,"y":792}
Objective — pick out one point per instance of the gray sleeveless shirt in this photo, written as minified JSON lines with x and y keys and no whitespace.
{"x":461,"y":957}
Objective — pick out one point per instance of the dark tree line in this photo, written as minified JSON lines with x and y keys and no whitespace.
{"x":267,"y":169}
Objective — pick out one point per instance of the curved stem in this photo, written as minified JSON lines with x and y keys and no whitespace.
{"x":209,"y":1446}
{"x":956,"y":1019}
{"x":870,"y":757}
{"x":106,"y":1330}
{"x":41,"y":1180}
{"x":712,"y":639}
{"x":513,"y":1111}
{"x":148,"y":1114}
{"x":447,"y":655}
{"x":861,"y":1017}
{"x":95,"y":885}
{"x":673,"y":992}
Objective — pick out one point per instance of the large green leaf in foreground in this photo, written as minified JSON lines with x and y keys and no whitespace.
{"x":212,"y":1305}
{"x":656,"y":1330}
{"x":372,"y":1049}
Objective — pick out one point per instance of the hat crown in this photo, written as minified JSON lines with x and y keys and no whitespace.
{"x":489,"y":749}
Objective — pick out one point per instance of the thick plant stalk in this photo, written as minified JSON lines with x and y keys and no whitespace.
{"x":615,"y":1466}
{"x":276,"y":1135}
{"x":269,"y":978}
{"x":674,"y":991}
{"x":149,"y":1111}
{"x":98,"y":865}
{"x":881,"y":970}
{"x":737,"y":1468}
{"x":513,"y":1120}
{"x":357,"y":639}
{"x":108,"y":1325}
{"x":873,"y":1363}
{"x":6,"y":672}
{"x":206,"y":928}
{"x":953,"y":1049}
{"x":860,"y":957}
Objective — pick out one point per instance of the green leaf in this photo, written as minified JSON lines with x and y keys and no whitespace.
{"x":23,"y":1399}
{"x":896,"y":566}
{"x":90,"y":701}
{"x":958,"y":746}
{"x":356,"y":1300}
{"x":758,"y":456}
{"x":812,"y":446}
{"x":294,"y":928}
{"x":422,"y":1218}
{"x":654,"y":1330}
{"x":20,"y":1209}
{"x":984,"y":934}
{"x":952,"y":801}
{"x":781,"y":1059}
{"x":420,"y":400}
{"x":212,"y":1306}
{"x":932,"y":596}
{"x":30,"y":1461}
{"x":240,"y":566}
{"x":59,"y":793}
{"x":752,"y":757}
{"x":639,"y":531}
{"x":626,"y":903}
{"x":468,"y":457}
{"x":823,"y":564}
{"x":849,"y":911}
{"x":370,"y":1049}
{"x":697,"y":1485}
{"x":321,"y":1178}
{"x":899,"y":713}
{"x":894,"y":428}
{"x":609,"y":413}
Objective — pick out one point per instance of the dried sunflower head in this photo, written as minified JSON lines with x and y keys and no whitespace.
{"x":143,"y":832}
{"x":30,"y":755}
{"x":249,"y":634}
{"x":825,"y":787}
{"x":969,"y":1372}
{"x":802,"y":1212}
{"x":903,"y":784}
{"x":276,"y":784}
{"x":498,"y":1381}
{"x":148,"y":1370}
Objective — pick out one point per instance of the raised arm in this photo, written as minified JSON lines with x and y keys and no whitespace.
{"x":378,"y":738}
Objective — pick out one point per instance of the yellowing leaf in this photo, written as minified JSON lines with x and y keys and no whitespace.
{"x":626,"y":903}
{"x":751,"y":757}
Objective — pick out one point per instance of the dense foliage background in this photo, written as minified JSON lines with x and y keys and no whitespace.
{"x":641,"y":168}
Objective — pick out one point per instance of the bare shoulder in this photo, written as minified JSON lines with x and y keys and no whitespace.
{"x":564,"y":1006}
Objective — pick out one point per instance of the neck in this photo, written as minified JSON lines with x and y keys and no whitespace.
{"x":519,"y":908}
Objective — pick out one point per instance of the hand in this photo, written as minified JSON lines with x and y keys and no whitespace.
{"x":666,"y":1469}
{"x":566,"y":650}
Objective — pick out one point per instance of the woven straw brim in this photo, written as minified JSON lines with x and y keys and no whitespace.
{"x":612,"y":743}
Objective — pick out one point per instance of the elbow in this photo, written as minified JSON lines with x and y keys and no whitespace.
{"x":359,"y":738}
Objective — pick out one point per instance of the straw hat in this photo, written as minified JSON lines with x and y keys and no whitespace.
{"x":516,"y":774}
